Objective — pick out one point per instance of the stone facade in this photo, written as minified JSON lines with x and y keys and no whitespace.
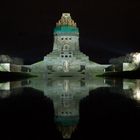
{"x":66,"y":59}
{"x":129,"y":66}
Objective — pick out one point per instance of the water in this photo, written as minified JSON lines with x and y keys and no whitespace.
{"x":69,"y":108}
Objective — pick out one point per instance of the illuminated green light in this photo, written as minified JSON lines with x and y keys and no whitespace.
{"x":66,"y":29}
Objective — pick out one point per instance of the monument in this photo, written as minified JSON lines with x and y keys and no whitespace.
{"x":66,"y":59}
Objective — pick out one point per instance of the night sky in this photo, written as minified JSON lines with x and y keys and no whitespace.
{"x":108,"y":28}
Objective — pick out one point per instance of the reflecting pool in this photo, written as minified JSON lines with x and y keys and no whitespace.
{"x":66,"y":107}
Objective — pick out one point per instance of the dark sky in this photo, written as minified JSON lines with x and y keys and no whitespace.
{"x":108,"y":28}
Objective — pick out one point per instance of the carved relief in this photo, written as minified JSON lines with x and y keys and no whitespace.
{"x":66,"y":20}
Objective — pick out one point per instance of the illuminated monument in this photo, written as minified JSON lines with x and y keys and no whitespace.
{"x":66,"y":59}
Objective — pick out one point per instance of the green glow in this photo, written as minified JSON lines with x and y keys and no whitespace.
{"x":66,"y":29}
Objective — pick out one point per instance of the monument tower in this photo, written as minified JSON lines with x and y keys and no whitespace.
{"x":66,"y":59}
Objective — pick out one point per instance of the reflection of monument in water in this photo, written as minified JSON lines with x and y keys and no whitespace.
{"x":66,"y":94}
